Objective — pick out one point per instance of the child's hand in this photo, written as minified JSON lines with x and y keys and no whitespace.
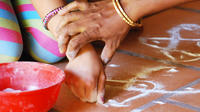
{"x":85,"y":76}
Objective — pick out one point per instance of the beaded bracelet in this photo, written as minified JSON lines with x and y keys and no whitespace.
{"x":50,"y":15}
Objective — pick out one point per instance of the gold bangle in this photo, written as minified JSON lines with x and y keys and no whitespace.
{"x":124,"y":16}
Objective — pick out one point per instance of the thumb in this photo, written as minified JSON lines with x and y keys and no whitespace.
{"x":108,"y":52}
{"x":101,"y":88}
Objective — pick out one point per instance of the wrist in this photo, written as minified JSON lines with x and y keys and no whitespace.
{"x":132,"y":9}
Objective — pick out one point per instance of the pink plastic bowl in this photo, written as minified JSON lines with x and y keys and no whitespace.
{"x":39,"y":86}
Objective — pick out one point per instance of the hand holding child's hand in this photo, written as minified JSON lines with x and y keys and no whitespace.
{"x":85,"y":22}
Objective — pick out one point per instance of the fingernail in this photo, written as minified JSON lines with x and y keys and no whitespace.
{"x":106,"y":60}
{"x":72,"y":54}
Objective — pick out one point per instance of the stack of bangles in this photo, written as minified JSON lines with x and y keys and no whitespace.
{"x":124,"y":16}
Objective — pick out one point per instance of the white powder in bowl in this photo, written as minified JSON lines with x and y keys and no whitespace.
{"x":11,"y":90}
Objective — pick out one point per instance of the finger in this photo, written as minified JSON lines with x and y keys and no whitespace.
{"x":78,"y":92}
{"x":78,"y":42}
{"x":73,"y":6}
{"x":62,"y":42}
{"x":92,"y":96}
{"x":101,"y":88}
{"x":74,"y":29}
{"x":68,"y":8}
{"x":70,"y":82}
{"x":75,"y":84}
{"x":91,"y":92}
{"x":108,"y":51}
{"x":69,"y":18}
{"x":79,"y":88}
{"x":73,"y":16}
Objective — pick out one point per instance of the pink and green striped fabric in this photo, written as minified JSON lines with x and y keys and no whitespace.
{"x":41,"y":44}
{"x":11,"y":44}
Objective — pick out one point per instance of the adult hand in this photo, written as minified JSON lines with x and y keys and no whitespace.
{"x":89,"y":21}
{"x":61,"y":35}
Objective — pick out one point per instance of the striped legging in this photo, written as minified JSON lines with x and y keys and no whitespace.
{"x":41,"y":45}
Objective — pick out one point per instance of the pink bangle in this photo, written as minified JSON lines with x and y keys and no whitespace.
{"x":50,"y":15}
